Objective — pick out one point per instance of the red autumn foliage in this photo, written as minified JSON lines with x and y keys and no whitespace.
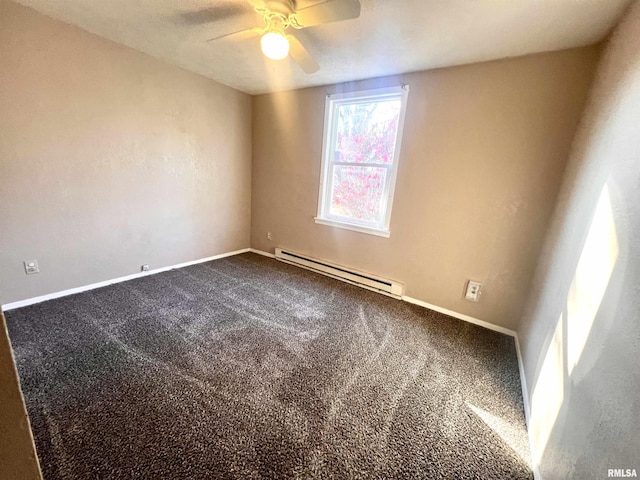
{"x":367,"y":136}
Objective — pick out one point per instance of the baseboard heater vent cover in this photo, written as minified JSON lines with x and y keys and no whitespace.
{"x":346,"y":274}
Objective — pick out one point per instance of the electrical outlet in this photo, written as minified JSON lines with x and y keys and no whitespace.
{"x":31,"y":267}
{"x":145,"y":267}
{"x":473,"y":291}
{"x":269,"y":236}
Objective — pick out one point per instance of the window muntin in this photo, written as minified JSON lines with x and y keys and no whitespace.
{"x":362,"y":137}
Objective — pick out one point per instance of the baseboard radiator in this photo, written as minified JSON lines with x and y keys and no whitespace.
{"x":346,"y":274}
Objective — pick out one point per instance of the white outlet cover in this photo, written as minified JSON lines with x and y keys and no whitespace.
{"x":473,"y":291}
{"x":31,"y":267}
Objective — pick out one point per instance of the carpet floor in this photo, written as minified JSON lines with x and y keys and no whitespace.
{"x":248,"y":368}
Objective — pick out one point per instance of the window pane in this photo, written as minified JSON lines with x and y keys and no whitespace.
{"x":367,"y":131}
{"x":358,"y":193}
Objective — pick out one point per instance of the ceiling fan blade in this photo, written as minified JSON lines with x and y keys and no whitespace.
{"x":301,"y":56}
{"x":211,"y":14}
{"x":326,"y":12}
{"x":241,"y":35}
{"x":258,"y":5}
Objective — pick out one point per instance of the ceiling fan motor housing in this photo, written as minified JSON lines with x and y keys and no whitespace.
{"x":279,"y":15}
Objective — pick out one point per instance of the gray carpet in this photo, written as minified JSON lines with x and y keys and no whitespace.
{"x":249,"y":368}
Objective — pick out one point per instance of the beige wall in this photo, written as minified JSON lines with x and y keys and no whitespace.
{"x":17,"y":453}
{"x":110,"y":159}
{"x":580,"y":336}
{"x":484,"y":150}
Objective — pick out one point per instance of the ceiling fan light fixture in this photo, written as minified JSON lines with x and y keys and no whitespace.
{"x":274,"y":45}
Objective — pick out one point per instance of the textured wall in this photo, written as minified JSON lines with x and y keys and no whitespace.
{"x":17,"y":454}
{"x":581,"y":331}
{"x":483,"y":153}
{"x":110,"y":159}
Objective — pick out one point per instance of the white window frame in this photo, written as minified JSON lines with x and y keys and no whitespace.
{"x":332,"y":102}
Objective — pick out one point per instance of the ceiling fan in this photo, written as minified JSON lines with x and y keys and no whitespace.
{"x":279,"y":15}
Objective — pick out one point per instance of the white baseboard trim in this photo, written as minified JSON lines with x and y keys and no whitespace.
{"x":262,"y":252}
{"x":527,"y":410}
{"x":420,"y":303}
{"x":460,"y":316}
{"x":71,"y":291}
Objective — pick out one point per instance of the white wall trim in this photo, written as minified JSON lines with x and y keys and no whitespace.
{"x":353,"y":227}
{"x":262,"y":252}
{"x":451,"y":313}
{"x":461,"y":316}
{"x":71,"y":291}
{"x":527,"y":410}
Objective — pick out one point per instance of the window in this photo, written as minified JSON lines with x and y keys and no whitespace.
{"x":362,"y":137}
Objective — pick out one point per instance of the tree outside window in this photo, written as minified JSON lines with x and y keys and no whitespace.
{"x":362,"y":138}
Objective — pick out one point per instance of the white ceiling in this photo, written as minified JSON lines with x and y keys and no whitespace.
{"x":389,"y":37}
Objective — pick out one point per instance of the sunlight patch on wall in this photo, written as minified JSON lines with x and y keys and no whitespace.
{"x":590,"y":281}
{"x":548,"y":393}
{"x":597,"y":260}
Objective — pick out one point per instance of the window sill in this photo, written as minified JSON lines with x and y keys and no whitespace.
{"x":356,"y":228}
